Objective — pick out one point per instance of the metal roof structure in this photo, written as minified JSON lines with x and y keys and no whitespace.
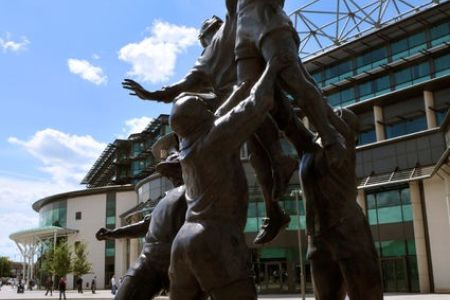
{"x":326,"y":24}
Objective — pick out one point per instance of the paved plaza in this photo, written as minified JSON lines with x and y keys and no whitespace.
{"x":10,"y":294}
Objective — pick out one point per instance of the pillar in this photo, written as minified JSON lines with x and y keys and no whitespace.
{"x":419,"y":237}
{"x":361,"y":200}
{"x":428,"y":99}
{"x":134,"y":250}
{"x":378,"y":121}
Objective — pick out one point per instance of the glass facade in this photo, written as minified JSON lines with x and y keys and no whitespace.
{"x":257,"y":212}
{"x":390,"y":215}
{"x":405,"y":126}
{"x":393,"y":51}
{"x":110,"y":245}
{"x":54,"y":214}
{"x":367,"y":136}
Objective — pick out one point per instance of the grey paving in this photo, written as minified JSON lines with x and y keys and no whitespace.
{"x":9,"y":294}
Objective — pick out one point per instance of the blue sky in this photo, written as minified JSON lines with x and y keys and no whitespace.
{"x":61,"y":101}
{"x":61,"y":66}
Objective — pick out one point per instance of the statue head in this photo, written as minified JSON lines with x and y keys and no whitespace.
{"x":208,"y":30}
{"x":349,"y":118}
{"x":166,"y":150}
{"x":190,"y":116}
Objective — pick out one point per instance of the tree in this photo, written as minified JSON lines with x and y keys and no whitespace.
{"x":5,"y":267}
{"x":62,"y":263}
{"x":80,"y":264}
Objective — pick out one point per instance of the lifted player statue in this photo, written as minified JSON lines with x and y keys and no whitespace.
{"x":340,"y":246}
{"x":215,"y":71}
{"x":148,"y":276}
{"x":209,"y":254}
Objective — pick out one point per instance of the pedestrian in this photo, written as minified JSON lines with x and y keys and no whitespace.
{"x":94,"y":284}
{"x":80,"y":285}
{"x":62,"y":288}
{"x":49,"y":286}
{"x":113,"y":285}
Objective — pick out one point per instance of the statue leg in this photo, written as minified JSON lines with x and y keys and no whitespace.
{"x":327,"y":279}
{"x":240,"y":290}
{"x":145,"y":283}
{"x":306,"y":94}
{"x":273,"y":167}
{"x":287,"y":121}
{"x":276,"y":217}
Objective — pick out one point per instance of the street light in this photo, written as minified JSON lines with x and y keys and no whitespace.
{"x":297,"y":193}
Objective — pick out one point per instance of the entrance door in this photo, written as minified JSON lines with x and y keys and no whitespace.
{"x":271,"y":277}
{"x":395,"y":274}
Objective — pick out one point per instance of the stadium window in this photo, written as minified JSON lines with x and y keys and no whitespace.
{"x":405,"y":126}
{"x":442,"y":65}
{"x":440,"y":34}
{"x":371,"y":60}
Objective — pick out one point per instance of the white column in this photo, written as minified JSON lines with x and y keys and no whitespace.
{"x":419,"y":238}
{"x":361,"y":200}
{"x":428,"y":99}
{"x":378,"y":121}
{"x":134,"y":250}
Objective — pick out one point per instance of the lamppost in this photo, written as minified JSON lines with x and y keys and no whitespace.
{"x":297,"y":193}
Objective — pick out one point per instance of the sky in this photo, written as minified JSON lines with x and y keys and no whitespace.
{"x":61,"y":100}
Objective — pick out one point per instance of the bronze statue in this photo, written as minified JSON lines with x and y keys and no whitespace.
{"x":148,"y":275}
{"x":340,"y":246}
{"x":263,"y":31}
{"x":215,"y":71}
{"x":209,"y":254}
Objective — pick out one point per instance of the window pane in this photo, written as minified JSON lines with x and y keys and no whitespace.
{"x":405,"y":195}
{"x":382,"y":85}
{"x":388,"y":215}
{"x":407,"y":213}
{"x":440,"y":34}
{"x":347,"y":96}
{"x":370,"y":198}
{"x":388,"y":198}
{"x":367,"y":137}
{"x":403,"y":78}
{"x":372,"y":216}
{"x":251,"y":225}
{"x":393,"y":248}
{"x":252,"y":210}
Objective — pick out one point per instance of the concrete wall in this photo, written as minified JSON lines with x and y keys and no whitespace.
{"x":439,"y":230}
{"x":124,"y":202}
{"x":93,"y":216}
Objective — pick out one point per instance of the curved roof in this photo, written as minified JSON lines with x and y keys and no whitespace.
{"x":92,"y":191}
{"x":41,"y":233}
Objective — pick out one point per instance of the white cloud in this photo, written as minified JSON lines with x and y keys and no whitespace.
{"x":16,"y":198}
{"x":154,"y":58}
{"x":66,"y":157}
{"x":9,"y":45}
{"x":136,"y":125}
{"x":87,"y":71}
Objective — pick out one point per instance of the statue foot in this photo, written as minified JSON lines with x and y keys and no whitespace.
{"x":282,"y":175}
{"x":271,"y":227}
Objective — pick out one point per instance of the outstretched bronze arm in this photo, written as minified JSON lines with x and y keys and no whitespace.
{"x":136,"y":230}
{"x":195,"y":82}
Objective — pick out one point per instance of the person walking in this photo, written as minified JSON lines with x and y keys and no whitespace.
{"x":80,"y":285}
{"x":113,"y":285}
{"x":62,"y":288}
{"x":94,"y":284}
{"x":49,"y":286}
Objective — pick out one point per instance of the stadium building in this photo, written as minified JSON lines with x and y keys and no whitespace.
{"x":389,"y":62}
